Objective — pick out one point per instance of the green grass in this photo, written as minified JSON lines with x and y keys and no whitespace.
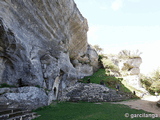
{"x":87,"y":111}
{"x":110,"y":81}
{"x":6,"y":85}
{"x":91,"y":111}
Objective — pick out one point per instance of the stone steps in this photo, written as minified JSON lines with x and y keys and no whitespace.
{"x":16,"y":114}
{"x":26,"y":116}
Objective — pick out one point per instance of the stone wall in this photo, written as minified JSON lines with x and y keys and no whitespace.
{"x":92,"y":93}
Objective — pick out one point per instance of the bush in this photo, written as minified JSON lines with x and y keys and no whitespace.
{"x":156,"y":74}
{"x":98,"y":49}
{"x":100,"y":57}
{"x":126,"y":54}
{"x":151,"y":83}
{"x":109,"y":64}
{"x":155,"y":86}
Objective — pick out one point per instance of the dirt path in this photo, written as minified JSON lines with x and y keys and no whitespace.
{"x":147,"y":103}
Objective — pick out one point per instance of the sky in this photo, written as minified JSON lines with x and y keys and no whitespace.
{"x":125,"y":24}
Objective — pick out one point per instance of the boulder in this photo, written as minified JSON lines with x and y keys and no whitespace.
{"x":26,"y":97}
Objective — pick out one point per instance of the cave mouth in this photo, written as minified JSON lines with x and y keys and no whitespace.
{"x":55,"y":90}
{"x":20,"y":82}
{"x":61,"y":72}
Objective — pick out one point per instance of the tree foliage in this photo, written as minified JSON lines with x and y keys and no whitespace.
{"x":152,"y":83}
{"x":107,"y":63}
{"x":98,"y":49}
{"x":156,"y":74}
{"x":129,"y":54}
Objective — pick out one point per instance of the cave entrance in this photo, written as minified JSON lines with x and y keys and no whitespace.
{"x":56,"y":84}
{"x":20,"y":82}
{"x":55,"y":90}
{"x":56,"y":87}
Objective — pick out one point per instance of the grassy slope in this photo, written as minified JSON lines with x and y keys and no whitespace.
{"x":87,"y":111}
{"x":110,"y":81}
{"x":90,"y":111}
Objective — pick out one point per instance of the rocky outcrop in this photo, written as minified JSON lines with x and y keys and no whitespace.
{"x":92,"y":93}
{"x":130,"y":71}
{"x":43,"y":43}
{"x":88,"y":63}
{"x":24,"y":97}
{"x":130,"y":65}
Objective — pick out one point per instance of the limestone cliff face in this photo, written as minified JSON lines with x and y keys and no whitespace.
{"x":129,"y":70}
{"x":40,"y":40}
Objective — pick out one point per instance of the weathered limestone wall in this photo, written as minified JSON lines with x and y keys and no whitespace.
{"x":132,"y":71}
{"x":39,"y":40}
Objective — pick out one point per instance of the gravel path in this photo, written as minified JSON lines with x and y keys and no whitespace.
{"x":147,"y":103}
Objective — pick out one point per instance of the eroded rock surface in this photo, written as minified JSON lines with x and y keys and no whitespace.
{"x":131,"y":68}
{"x":24,"y":97}
{"x":130,"y":65}
{"x":39,"y":40}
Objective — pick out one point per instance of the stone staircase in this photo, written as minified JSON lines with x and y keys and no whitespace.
{"x":16,"y":114}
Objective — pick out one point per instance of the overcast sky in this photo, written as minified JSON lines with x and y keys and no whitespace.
{"x":125,"y":24}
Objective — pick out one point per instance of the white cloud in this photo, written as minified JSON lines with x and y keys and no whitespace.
{"x":117,"y":4}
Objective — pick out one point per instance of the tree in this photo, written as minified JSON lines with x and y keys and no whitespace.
{"x":129,"y":54}
{"x":98,"y":49}
{"x":156,"y":74}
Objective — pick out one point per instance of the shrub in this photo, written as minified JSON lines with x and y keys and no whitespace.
{"x":125,"y":54}
{"x":98,"y":49}
{"x":156,"y":74}
{"x":155,"y":86}
{"x":151,"y":83}
{"x":109,"y":64}
{"x":100,"y":58}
